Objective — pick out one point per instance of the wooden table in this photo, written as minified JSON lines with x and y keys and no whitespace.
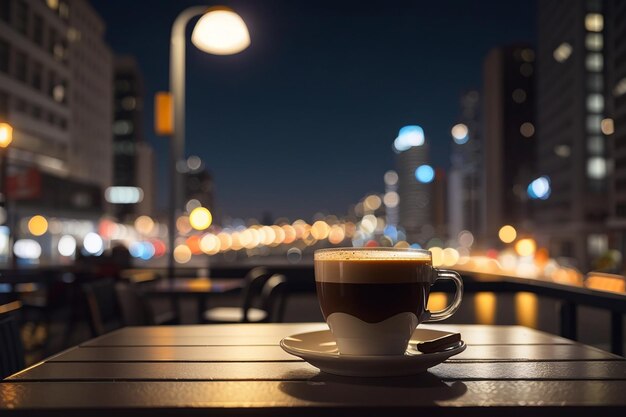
{"x":198,"y":288}
{"x":241,"y":370}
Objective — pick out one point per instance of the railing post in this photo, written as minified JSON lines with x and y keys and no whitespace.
{"x":568,"y":320}
{"x":617,"y":333}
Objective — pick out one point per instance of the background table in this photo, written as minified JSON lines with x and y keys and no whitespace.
{"x":241,"y":370}
{"x":199,"y":288}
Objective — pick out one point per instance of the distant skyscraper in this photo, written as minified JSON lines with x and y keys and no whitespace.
{"x":617,"y":98}
{"x":198,"y":183}
{"x":55,"y":73}
{"x":509,"y":136}
{"x":465,"y":197}
{"x":133,"y":158}
{"x":91,"y":67}
{"x":414,"y":184}
{"x":572,"y":151}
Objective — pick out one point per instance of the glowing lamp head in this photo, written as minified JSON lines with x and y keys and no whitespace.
{"x":6,"y":135}
{"x":221,"y":31}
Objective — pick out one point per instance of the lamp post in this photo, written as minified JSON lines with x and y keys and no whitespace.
{"x":220,"y":31}
{"x":6,"y":137}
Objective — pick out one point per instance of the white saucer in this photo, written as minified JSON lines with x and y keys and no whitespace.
{"x":320,"y":350}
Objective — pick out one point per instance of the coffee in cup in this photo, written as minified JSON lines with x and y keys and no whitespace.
{"x":374,"y":298}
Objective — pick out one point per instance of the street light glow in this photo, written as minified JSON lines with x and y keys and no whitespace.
{"x":6,"y":135}
{"x":460,"y":133}
{"x":221,"y":31}
{"x":200,"y":218}
{"x":507,"y":233}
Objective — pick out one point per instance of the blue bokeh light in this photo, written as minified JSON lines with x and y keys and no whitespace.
{"x":409,"y":136}
{"x":539,"y":188}
{"x":425,"y":174}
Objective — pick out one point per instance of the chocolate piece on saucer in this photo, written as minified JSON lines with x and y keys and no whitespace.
{"x":439,"y":344}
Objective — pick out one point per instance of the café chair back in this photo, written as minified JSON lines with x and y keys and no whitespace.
{"x":104,"y":313}
{"x":136,"y":309}
{"x":274,"y":299}
{"x":11,"y":347}
{"x":255,"y":282}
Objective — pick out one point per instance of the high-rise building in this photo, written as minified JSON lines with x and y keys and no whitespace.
{"x":616,"y":41}
{"x":465,"y":177}
{"x":509,"y":137}
{"x":133,"y":157}
{"x":572,"y":150}
{"x":35,"y":79}
{"x":414,"y":184}
{"x":91,"y":65}
{"x":55,"y":77}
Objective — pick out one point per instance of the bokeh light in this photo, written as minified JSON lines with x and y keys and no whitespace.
{"x":320,"y":230}
{"x":27,"y":249}
{"x":425,"y":173}
{"x":525,"y":247}
{"x":182,"y":225}
{"x":507,"y":233}
{"x":408,"y":137}
{"x":437,"y":255}
{"x":182,"y":254}
{"x":37,"y":225}
{"x":67,"y":245}
{"x":391,"y":177}
{"x":93,"y":244}
{"x":539,"y":188}
{"x":372,"y":202}
{"x":200,"y":218}
{"x":460,"y":133}
{"x":210,"y":244}
{"x":391,"y":199}
{"x":144,"y":225}
{"x":466,"y":238}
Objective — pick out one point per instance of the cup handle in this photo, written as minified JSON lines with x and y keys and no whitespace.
{"x":456,"y":302}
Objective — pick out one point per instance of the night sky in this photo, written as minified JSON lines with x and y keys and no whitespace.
{"x":303,"y":120}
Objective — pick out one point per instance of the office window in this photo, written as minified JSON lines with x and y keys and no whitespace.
{"x":594,"y":62}
{"x":21,"y":17}
{"x":52,"y":40}
{"x":4,"y":105}
{"x":595,"y":82}
{"x":37,"y":76}
{"x":20,"y":66}
{"x":4,"y":56}
{"x":38,"y":30}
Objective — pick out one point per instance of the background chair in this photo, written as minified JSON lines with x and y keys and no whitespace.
{"x":271,"y":305}
{"x":255,"y":280}
{"x":11,"y":347}
{"x":102,"y":305}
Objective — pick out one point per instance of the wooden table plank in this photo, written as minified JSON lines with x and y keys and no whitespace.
{"x":275,"y":353}
{"x":336,"y":396}
{"x":261,"y":334}
{"x":301,"y":371}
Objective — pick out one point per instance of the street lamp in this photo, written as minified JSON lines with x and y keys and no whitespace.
{"x":220,"y":31}
{"x":6,"y":137}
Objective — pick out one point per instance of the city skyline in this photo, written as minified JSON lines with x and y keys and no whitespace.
{"x":319,"y":113}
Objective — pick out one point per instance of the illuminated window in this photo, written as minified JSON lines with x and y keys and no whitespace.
{"x":594,"y":62}
{"x":594,"y":41}
{"x":594,"y":22}
{"x":519,"y":95}
{"x":527,"y":129}
{"x":595,"y":145}
{"x":122,"y":127}
{"x":528,"y":55}
{"x":597,"y":244}
{"x":563,"y":151}
{"x":129,"y":103}
{"x":593,"y":123}
{"x":596,"y":168}
{"x":608,"y":126}
{"x":562,"y":52}
{"x":526,"y":69}
{"x":595,"y":103}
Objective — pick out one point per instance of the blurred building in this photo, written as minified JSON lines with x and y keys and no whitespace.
{"x":55,"y":70}
{"x":616,"y":20}
{"x":91,"y":66}
{"x":509,"y":136}
{"x":198,"y":184}
{"x":415,"y":194}
{"x":572,"y":149}
{"x":465,"y":178}
{"x":133,"y":157}
{"x":439,"y":203}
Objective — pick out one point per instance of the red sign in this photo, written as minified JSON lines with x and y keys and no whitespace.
{"x":24,"y":186}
